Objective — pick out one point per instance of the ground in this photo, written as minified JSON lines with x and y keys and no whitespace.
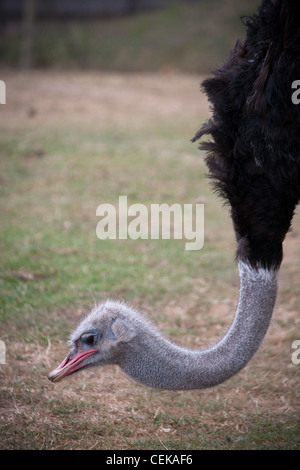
{"x":70,"y":141}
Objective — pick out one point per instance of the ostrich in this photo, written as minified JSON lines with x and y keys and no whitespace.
{"x":254,"y":162}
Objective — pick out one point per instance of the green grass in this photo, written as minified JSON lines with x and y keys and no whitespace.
{"x":48,"y":226}
{"x":188,"y":37}
{"x":51,"y":256}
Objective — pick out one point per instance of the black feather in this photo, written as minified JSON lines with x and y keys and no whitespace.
{"x":254,"y":155}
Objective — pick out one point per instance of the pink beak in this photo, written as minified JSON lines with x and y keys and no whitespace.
{"x":70,"y":364}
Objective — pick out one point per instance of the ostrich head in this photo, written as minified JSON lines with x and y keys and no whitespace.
{"x":100,"y":339}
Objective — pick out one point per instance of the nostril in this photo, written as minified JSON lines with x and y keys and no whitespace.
{"x":90,"y":338}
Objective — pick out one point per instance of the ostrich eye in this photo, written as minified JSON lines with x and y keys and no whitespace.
{"x":90,"y":338}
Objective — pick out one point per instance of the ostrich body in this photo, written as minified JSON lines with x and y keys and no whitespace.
{"x":254,"y":161}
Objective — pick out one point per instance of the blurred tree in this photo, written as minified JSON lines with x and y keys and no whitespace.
{"x":26,"y":58}
{"x":132,"y":6}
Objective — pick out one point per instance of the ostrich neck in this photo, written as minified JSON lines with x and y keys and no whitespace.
{"x":157,"y":362}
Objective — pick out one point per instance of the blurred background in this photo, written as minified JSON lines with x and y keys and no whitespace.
{"x":120,"y":35}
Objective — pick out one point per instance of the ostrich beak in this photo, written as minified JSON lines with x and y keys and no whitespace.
{"x":70,"y":364}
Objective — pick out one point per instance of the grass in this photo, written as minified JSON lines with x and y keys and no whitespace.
{"x":149,"y":41}
{"x":69,"y":142}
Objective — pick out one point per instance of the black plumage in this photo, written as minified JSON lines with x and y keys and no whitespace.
{"x":254,"y":155}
